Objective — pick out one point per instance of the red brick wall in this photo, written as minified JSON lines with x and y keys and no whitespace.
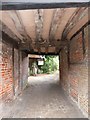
{"x":76,"y":57}
{"x":6,"y":72}
{"x":74,"y":70}
{"x":76,"y":49}
{"x":12,"y":72}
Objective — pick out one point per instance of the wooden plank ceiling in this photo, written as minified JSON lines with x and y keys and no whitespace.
{"x":41,"y":30}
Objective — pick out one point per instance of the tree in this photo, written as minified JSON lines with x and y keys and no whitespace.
{"x":51,"y":64}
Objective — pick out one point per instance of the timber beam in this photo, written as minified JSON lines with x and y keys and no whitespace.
{"x":7,"y":38}
{"x":42,"y":5}
{"x":40,"y":53}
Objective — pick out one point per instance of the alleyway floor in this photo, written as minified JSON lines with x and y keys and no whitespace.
{"x":43,"y":98}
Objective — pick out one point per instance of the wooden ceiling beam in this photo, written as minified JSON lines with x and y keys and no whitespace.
{"x":6,"y":30}
{"x":79,"y":24}
{"x":6,"y":19}
{"x":47,"y":22}
{"x":17,"y":22}
{"x":70,"y":24}
{"x":41,"y":5}
{"x":8,"y":39}
{"x":9,"y":36}
{"x":64,"y":20}
{"x":41,"y":53}
{"x":64,"y":16}
{"x":21,"y":28}
{"x":39,"y":28}
{"x":27,"y":18}
{"x":58,"y":13}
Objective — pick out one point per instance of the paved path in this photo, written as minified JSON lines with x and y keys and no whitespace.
{"x":43,"y":98}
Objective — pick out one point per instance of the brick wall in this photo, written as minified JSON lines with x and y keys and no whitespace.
{"x":6,"y":85}
{"x":74,"y":69}
{"x":13,"y":71}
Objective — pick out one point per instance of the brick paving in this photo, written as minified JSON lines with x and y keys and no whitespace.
{"x":43,"y":98}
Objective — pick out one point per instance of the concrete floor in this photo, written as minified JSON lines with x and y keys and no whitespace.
{"x":43,"y":98}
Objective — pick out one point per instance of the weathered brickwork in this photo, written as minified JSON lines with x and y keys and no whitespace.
{"x":76,"y":49}
{"x":13,"y":71}
{"x":74,"y":69}
{"x":6,"y":72}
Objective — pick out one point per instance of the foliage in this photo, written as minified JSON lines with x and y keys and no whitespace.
{"x":51,"y":64}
